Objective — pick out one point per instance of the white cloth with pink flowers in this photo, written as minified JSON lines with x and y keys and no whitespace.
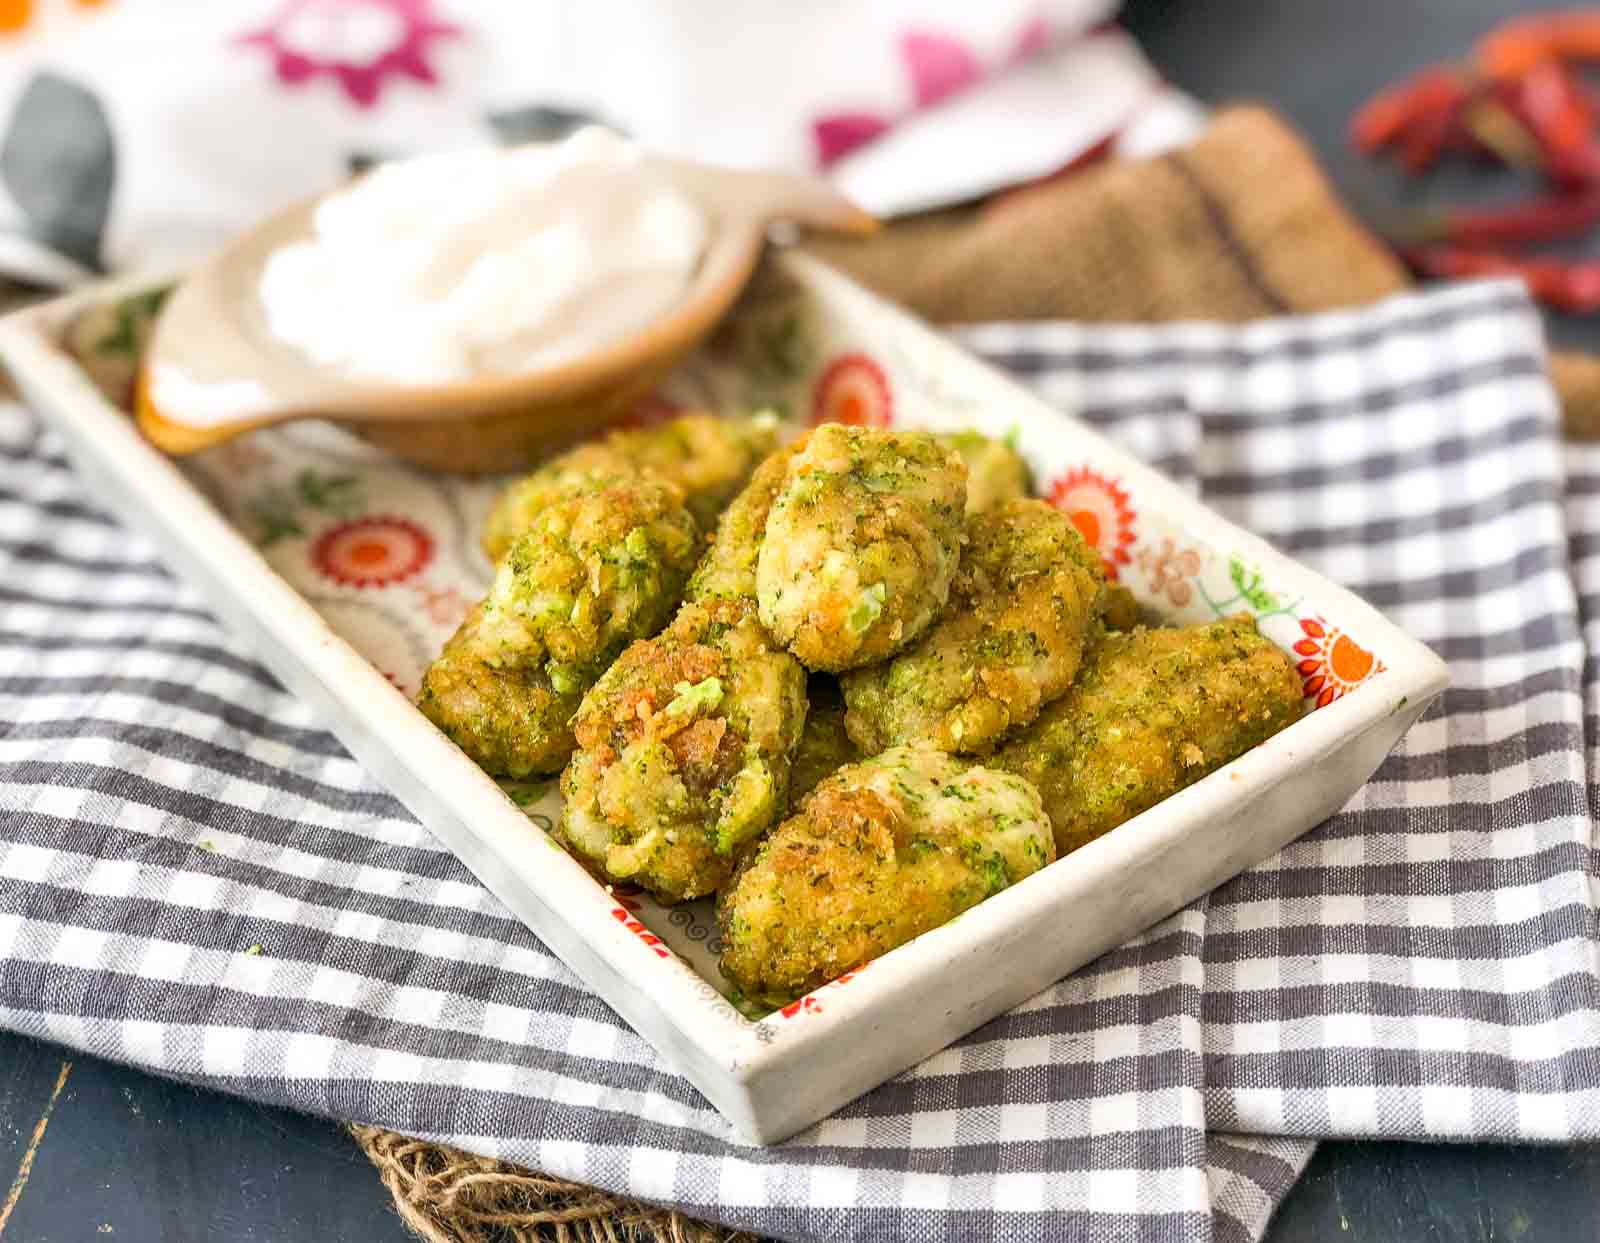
{"x":142,"y":133}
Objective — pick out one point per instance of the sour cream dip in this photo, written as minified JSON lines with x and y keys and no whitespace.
{"x":447,"y":267}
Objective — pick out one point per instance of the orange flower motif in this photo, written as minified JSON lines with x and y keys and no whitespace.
{"x":372,"y":552}
{"x":16,"y":14}
{"x":1332,"y":663}
{"x":853,"y":390}
{"x":1101,"y":512}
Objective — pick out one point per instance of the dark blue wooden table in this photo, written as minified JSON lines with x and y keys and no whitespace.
{"x":90,"y":1151}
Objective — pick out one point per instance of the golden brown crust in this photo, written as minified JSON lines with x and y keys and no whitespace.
{"x":1154,"y":711}
{"x":683,"y":753}
{"x":996,"y":472}
{"x":512,"y":723}
{"x":709,"y":458}
{"x":861,"y":544}
{"x":825,"y":745}
{"x":595,"y":570}
{"x":685,"y":743}
{"x":1025,"y":604}
{"x":881,"y":852}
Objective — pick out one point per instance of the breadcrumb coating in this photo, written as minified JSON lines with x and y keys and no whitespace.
{"x":861,"y":545}
{"x":1154,"y":711}
{"x":882,"y":851}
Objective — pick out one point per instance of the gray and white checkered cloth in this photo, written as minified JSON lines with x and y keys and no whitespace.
{"x":197,"y":880}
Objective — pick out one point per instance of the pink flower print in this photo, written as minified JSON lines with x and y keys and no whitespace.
{"x":444,"y":605}
{"x":1034,"y":37}
{"x":361,"y":44}
{"x":1170,"y":570}
{"x":939,"y":65}
{"x":838,"y":135}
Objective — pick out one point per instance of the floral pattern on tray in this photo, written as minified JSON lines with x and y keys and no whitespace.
{"x":389,"y":555}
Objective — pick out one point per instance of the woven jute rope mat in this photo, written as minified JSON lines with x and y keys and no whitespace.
{"x":1240,"y":225}
{"x":449,"y":1196}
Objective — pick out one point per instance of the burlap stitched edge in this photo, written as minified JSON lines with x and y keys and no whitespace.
{"x":448,"y":1196}
{"x":1238,"y":225}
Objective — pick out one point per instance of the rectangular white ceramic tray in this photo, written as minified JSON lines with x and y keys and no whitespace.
{"x":264,"y":527}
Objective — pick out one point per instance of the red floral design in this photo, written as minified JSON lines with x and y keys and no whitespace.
{"x":1332,"y":663}
{"x":1101,"y":512}
{"x":372,"y":552}
{"x":809,"y":1003}
{"x":623,"y":914}
{"x":361,"y":44}
{"x":853,"y":390}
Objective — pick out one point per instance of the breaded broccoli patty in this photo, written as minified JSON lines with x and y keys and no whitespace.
{"x":594,"y":571}
{"x":512,"y":722}
{"x":1025,"y":603}
{"x":601,"y":565}
{"x":685,"y":744}
{"x":882,"y":851}
{"x":1152,"y":712}
{"x":861,"y":544}
{"x":683,"y":753}
{"x":710,"y":458}
{"x":824,"y":747}
{"x":995,"y":471}
{"x":728,"y":570}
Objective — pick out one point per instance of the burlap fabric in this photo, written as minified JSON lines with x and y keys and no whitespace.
{"x":449,"y":1196}
{"x":1240,"y":225}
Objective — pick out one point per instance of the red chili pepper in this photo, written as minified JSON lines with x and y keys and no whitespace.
{"x":1424,"y":137}
{"x":1491,"y":122}
{"x":1558,"y":111}
{"x":1572,"y":287}
{"x":1537,"y":132}
{"x":1543,"y":219}
{"x":1559,"y":115}
{"x":1392,"y":112}
{"x":1511,"y":50}
{"x":1578,"y":167}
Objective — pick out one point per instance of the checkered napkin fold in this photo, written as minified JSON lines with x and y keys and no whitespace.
{"x":196,"y":879}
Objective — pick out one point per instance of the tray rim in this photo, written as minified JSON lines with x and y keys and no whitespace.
{"x":723,"y":1053}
